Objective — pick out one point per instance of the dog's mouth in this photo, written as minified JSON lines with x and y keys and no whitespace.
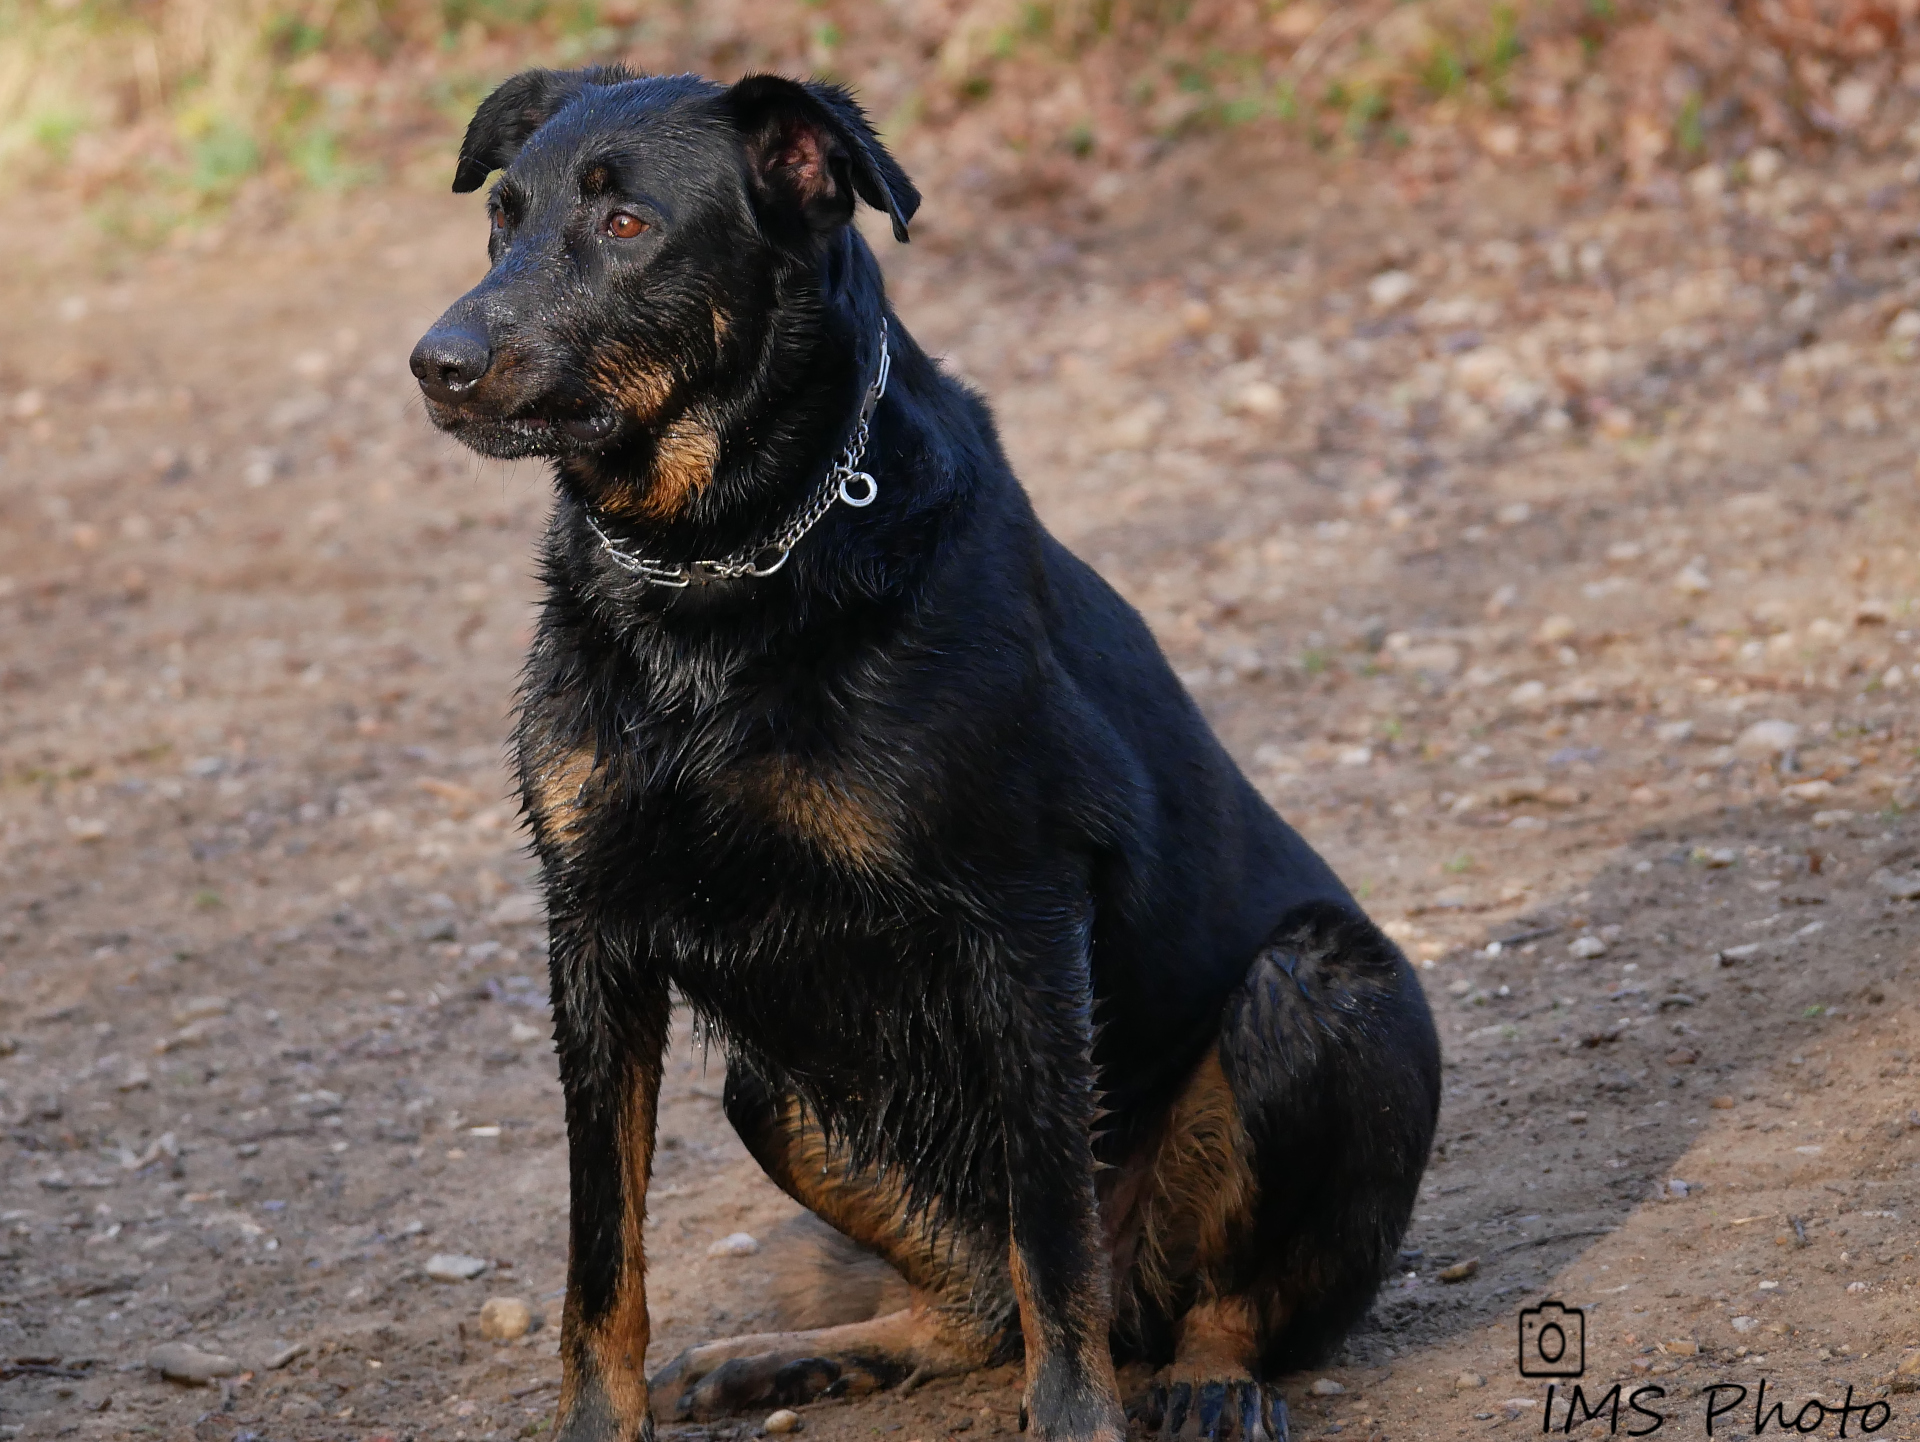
{"x":527,"y":434}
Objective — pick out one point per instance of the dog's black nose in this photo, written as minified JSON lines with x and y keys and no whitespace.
{"x":449,"y":359}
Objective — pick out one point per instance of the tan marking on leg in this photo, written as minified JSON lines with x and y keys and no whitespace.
{"x":835,"y":814}
{"x":620,"y":1343}
{"x":560,"y":796}
{"x":1219,"y":1342}
{"x":875,"y":1215}
{"x":820,"y":1277}
{"x":1202,"y":1190}
{"x":913,"y":1337}
{"x":940,"y":1333}
{"x":1087,"y":1311}
{"x":616,"y":1344}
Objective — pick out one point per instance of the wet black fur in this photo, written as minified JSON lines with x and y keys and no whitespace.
{"x":1078,"y":894}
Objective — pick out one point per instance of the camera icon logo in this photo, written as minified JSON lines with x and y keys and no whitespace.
{"x":1553,"y":1341}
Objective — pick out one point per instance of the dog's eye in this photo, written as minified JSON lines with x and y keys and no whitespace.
{"x":624,"y":226}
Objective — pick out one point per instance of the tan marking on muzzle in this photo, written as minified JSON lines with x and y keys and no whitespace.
{"x":641,"y":388}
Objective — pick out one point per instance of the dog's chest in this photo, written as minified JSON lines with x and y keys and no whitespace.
{"x":595,"y":808}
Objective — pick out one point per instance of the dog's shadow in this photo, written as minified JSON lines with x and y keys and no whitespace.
{"x":1686,"y":994}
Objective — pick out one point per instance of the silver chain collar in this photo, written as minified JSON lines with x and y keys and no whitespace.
{"x":844,"y":482}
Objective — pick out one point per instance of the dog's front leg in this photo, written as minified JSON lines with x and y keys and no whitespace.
{"x":611,"y":1015}
{"x":1061,"y":1275}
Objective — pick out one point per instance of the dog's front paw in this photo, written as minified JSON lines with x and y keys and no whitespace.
{"x":1212,"y":1410}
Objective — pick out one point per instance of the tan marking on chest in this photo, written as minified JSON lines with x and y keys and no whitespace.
{"x":561,"y":795}
{"x":837,"y":815}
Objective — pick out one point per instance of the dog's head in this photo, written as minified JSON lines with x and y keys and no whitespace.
{"x":642,"y":231}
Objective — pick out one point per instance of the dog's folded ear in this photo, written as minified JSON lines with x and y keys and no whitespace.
{"x":516,"y":109}
{"x":810,"y":145}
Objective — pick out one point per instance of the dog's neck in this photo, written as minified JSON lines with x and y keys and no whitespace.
{"x":766,"y":555}
{"x":730,"y":472}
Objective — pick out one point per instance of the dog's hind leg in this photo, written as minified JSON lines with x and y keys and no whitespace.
{"x":1286,"y":1173}
{"x":1333,"y":1058}
{"x":1195,"y":1211}
{"x":960,"y":1310}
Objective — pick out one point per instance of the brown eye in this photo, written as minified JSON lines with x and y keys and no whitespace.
{"x":622,"y":226}
{"x":499,"y":220}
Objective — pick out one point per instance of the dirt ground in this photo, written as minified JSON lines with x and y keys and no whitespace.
{"x":1550,"y":561}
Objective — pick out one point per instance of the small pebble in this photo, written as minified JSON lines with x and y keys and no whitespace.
{"x":1327,"y":1387}
{"x":1764,"y":740}
{"x":1467,"y":1381}
{"x":505,"y":1319}
{"x":1459,"y":1272}
{"x":1587,"y":947}
{"x":785,"y":1420}
{"x":454,"y":1267}
{"x":739,"y":1244}
{"x":188,"y":1365}
{"x":1389,"y":288}
{"x":1808,"y":791}
{"x":200,"y":1008}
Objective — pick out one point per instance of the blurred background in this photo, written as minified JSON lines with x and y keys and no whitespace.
{"x":199,"y":103}
{"x":1503,"y":415}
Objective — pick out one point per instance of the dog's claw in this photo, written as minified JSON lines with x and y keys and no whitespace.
{"x":1210,"y":1411}
{"x":1246,"y":1404}
{"x":1278,"y":1423}
{"x":1153,"y":1411}
{"x":1213,"y":1406}
{"x":1179,"y":1399}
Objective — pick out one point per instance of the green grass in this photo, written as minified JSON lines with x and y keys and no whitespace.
{"x":1689,"y":131}
{"x":221,"y":158}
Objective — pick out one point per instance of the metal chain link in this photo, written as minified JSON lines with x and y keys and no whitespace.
{"x":844,"y":482}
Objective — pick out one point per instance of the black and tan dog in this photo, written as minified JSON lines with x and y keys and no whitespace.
{"x":1021,"y":985}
